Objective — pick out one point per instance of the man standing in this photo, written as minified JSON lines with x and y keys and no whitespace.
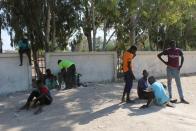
{"x":68,"y":71}
{"x":173,"y":68}
{"x":128,"y":73}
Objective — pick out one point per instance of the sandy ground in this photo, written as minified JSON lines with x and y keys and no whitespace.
{"x":97,"y":108}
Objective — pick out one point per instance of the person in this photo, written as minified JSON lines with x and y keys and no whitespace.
{"x":158,"y":93}
{"x":68,"y":71}
{"x":41,"y":95}
{"x":24,"y":48}
{"x":128,"y":56}
{"x":50,"y":80}
{"x":142,"y":85}
{"x":173,"y":68}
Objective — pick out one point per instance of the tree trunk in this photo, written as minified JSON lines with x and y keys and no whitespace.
{"x":105,"y":34}
{"x":47,"y":37}
{"x":53,"y":31}
{"x":89,"y":39}
{"x":35,"y":57}
{"x":1,"y":43}
{"x":94,"y":28}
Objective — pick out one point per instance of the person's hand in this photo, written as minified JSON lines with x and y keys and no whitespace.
{"x":166,"y":63}
{"x":132,"y":76}
{"x":179,"y":67}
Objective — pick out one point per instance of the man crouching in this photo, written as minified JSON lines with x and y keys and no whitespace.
{"x":157,"y":93}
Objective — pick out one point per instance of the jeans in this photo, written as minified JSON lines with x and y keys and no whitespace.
{"x":128,"y":84}
{"x":174,"y":73}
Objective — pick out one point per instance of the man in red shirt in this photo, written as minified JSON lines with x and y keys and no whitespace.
{"x":173,"y":68}
{"x":42,"y":95}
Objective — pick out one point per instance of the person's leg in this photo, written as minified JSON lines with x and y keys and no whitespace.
{"x":130,"y":83}
{"x":65,"y":78}
{"x":125,"y":87}
{"x":150,"y":98}
{"x":30,"y":99}
{"x":72,"y":73}
{"x":21,"y":56}
{"x":169,"y":81}
{"x":179,"y":86}
{"x":28,"y":52}
{"x":44,"y":100}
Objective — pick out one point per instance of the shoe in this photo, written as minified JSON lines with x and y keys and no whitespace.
{"x":173,"y":101}
{"x":143,"y":107}
{"x":184,"y":101}
{"x":20,"y":65}
{"x":122,"y":100}
{"x":130,"y":101}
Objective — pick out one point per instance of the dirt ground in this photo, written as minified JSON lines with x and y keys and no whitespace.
{"x":97,"y":108}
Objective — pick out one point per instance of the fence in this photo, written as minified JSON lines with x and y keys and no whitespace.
{"x":94,"y":66}
{"x":12,"y":76}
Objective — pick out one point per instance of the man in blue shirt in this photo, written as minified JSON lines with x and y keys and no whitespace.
{"x":158,"y":93}
{"x":142,"y":86}
{"x":24,"y":48}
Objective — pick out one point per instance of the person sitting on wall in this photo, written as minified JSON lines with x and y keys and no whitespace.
{"x":142,"y":85}
{"x":158,"y":94}
{"x":68,"y":71}
{"x":42,"y":96}
{"x":24,"y":47}
{"x":50,"y":80}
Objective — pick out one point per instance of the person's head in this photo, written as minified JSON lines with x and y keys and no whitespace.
{"x":59,"y":61}
{"x":132,"y":49}
{"x":39,"y":83}
{"x":172,"y":44}
{"x":145,"y":74}
{"x":151,"y":80}
{"x":48,"y":72}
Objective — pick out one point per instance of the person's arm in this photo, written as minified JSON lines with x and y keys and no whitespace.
{"x":160,"y":57}
{"x":182,"y":59}
{"x":130,"y":70}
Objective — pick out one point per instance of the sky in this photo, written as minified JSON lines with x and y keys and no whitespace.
{"x":6,"y":41}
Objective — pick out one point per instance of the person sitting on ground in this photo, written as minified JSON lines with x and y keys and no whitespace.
{"x":42,"y":95}
{"x":68,"y":71}
{"x":158,"y":93}
{"x":24,"y":48}
{"x":50,"y":80}
{"x":142,"y":85}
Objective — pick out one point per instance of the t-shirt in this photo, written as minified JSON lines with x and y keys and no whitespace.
{"x":23,"y":44}
{"x":173,"y":56}
{"x":160,"y":93}
{"x":65,"y":64}
{"x":44,"y":90}
{"x":142,"y":84}
{"x":127,"y":57}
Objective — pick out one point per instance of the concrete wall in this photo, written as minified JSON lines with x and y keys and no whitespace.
{"x":13,"y":77}
{"x":148,"y":60}
{"x":94,"y":66}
